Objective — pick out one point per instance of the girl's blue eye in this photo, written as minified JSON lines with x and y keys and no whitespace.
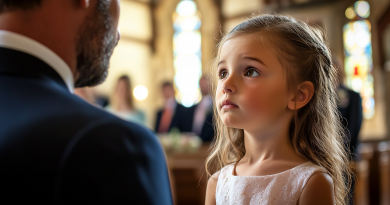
{"x":222,"y":74}
{"x":252,"y":73}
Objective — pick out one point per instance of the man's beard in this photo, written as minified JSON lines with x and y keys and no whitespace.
{"x":95,"y":43}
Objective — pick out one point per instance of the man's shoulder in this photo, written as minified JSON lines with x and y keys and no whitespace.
{"x":111,"y":130}
{"x":98,"y":119}
{"x":114,"y":125}
{"x":110,"y":138}
{"x":81,"y":117}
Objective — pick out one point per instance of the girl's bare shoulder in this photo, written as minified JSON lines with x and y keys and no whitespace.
{"x":211,"y":189}
{"x":318,"y":190}
{"x":214,"y":179}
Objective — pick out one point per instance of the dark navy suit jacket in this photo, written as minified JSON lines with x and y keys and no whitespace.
{"x":351,"y":111}
{"x":207,"y":133}
{"x":180,"y":120}
{"x":57,"y":149}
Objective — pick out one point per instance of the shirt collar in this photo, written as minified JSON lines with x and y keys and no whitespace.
{"x":27,"y":45}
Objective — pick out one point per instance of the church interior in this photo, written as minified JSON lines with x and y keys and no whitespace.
{"x":174,"y":41}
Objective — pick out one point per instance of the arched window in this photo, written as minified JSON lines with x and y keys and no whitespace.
{"x":358,"y":55}
{"x":187,"y":52}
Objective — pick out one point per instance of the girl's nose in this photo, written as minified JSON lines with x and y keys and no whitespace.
{"x":229,"y":86}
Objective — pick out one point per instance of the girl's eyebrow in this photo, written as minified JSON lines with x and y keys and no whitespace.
{"x":223,"y":61}
{"x":254,"y":59}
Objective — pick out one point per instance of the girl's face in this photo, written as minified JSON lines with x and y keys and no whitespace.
{"x":252,"y":89}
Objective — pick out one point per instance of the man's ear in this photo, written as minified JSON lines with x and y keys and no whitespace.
{"x":303,"y":96}
{"x":84,"y":3}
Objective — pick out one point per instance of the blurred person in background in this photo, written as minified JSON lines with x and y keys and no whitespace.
{"x":173,"y":115}
{"x":122,"y":103}
{"x":202,"y":112}
{"x":351,"y":111}
{"x":55,"y":148}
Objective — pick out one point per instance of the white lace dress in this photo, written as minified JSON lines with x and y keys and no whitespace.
{"x":282,"y":188}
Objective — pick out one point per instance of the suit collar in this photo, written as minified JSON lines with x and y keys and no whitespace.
{"x":16,"y":63}
{"x":29,"y":46}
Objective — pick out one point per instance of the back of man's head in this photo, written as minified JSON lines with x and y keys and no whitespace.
{"x":83,"y":33}
{"x":8,"y":5}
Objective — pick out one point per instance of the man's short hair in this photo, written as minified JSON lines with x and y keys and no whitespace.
{"x":8,"y":5}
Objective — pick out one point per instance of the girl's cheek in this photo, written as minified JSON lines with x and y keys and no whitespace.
{"x":218,"y":95}
{"x":255,"y":105}
{"x":262,"y":102}
{"x":254,"y":99}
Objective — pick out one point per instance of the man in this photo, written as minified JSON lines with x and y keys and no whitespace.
{"x":54,"y":147}
{"x":351,"y":113}
{"x":202,"y":113}
{"x":173,"y":115}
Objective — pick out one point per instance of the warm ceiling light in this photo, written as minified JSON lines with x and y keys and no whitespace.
{"x":140,"y":92}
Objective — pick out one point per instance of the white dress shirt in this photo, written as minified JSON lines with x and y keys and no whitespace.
{"x":27,"y":45}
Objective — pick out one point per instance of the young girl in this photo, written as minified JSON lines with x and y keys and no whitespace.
{"x":279,"y":139}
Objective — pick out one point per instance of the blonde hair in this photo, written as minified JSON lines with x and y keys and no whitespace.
{"x":316,"y":131}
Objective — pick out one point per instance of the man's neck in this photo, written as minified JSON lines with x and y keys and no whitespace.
{"x":34,"y":26}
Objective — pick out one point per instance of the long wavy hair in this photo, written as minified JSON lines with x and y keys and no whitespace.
{"x":115,"y":98}
{"x":316,"y":131}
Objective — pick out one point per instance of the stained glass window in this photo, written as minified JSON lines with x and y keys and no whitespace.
{"x":358,"y":62}
{"x":187,"y":52}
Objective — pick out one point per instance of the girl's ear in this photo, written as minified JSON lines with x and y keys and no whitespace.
{"x":302,"y":97}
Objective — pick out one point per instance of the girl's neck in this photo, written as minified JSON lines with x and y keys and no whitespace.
{"x":274,"y":145}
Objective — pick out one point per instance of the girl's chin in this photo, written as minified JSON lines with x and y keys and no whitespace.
{"x":231,"y":124}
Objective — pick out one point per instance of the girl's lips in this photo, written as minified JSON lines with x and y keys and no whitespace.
{"x":229,"y":107}
{"x":227,"y":104}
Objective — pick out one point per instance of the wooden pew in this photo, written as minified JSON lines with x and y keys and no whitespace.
{"x":189,"y":180}
{"x":188,"y":177}
{"x":384,"y":164}
{"x":361,"y":196}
